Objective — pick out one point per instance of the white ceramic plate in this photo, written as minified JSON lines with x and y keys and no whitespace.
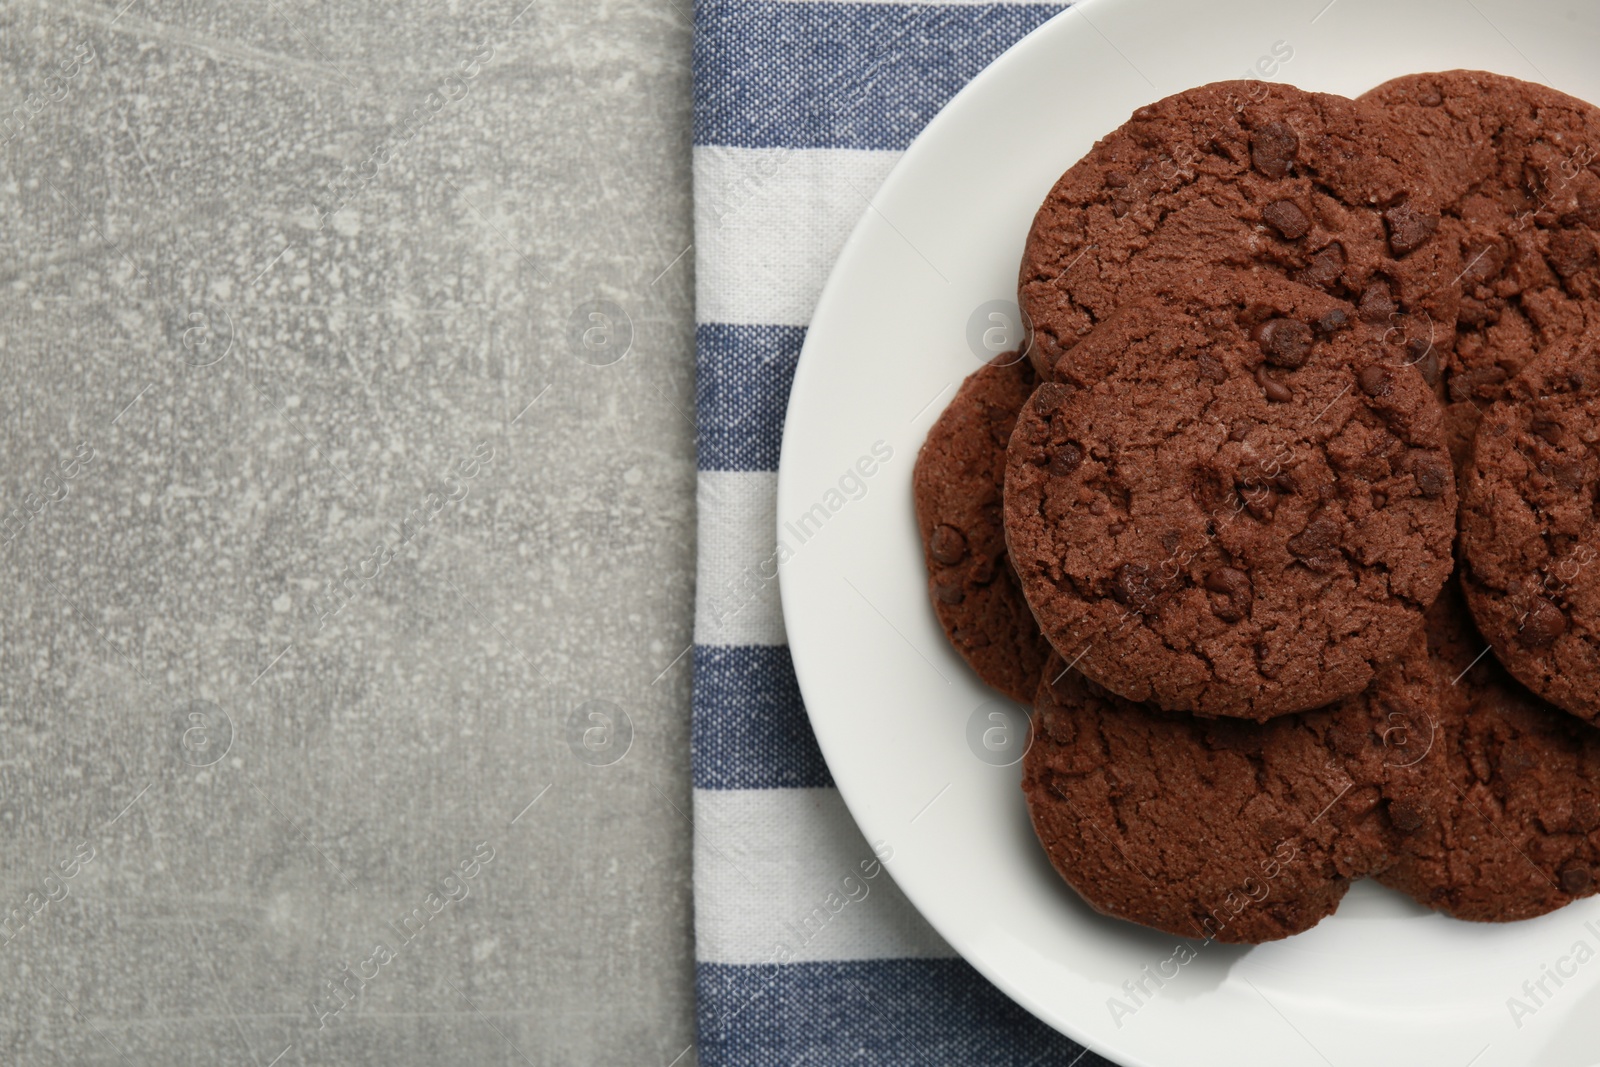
{"x":1382,"y":982}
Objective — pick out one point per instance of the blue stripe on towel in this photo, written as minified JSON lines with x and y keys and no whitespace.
{"x":887,"y":1013}
{"x":750,"y":729}
{"x":742,"y":393}
{"x":839,"y":75}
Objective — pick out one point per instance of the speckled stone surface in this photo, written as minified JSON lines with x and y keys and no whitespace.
{"x":346,"y":462}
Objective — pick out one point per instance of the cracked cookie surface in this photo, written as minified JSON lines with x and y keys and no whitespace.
{"x":1517,"y":169}
{"x":1219,"y":828}
{"x":1236,"y":507}
{"x":1245,"y":175}
{"x":1512,"y":788}
{"x":1530,"y":527}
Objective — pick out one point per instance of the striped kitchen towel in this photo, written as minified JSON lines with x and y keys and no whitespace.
{"x":807,"y":952}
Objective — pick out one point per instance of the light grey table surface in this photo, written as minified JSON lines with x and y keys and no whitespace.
{"x":346,"y":387}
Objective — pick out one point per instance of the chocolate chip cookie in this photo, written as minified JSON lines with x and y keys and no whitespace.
{"x":1245,"y":175}
{"x":957,"y":485}
{"x":1218,"y":828}
{"x":1517,"y":174}
{"x":1512,"y":786}
{"x":1237,"y":507}
{"x":1530,"y":527}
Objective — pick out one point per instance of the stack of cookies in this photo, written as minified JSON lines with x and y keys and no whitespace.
{"x":1287,"y":519}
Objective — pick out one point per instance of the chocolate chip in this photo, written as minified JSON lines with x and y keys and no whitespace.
{"x":1210,"y":368}
{"x":1317,"y":546}
{"x":1376,"y":303}
{"x":1285,"y":342}
{"x":1422,"y":355}
{"x":1067,"y":459}
{"x":1116,"y":179}
{"x":1272,"y":149}
{"x":1375,"y":380}
{"x":1286,"y":217}
{"x":1050,"y":396}
{"x":1385,"y":446}
{"x":1432,"y":475}
{"x":1568,"y":476}
{"x":1132,"y":586}
{"x":1234,"y":586}
{"x":1576,"y":880}
{"x":983,"y":571}
{"x":1409,"y":229}
{"x":1544,"y":623}
{"x":1276,"y":391}
{"x":1379,"y":500}
{"x":1548,"y":432}
{"x":1570,"y":252}
{"x":1239,"y":432}
{"x":1325,"y":267}
{"x":1332,"y":320}
{"x":1482,"y":264}
{"x":1119,"y":208}
{"x":1469,"y":381}
{"x":1260,"y":501}
{"x":948,"y":545}
{"x":949,"y":591}
{"x":1406,"y":815}
{"x":1126,"y":583}
{"x":1116,"y":528}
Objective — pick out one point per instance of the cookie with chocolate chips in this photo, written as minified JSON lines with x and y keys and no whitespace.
{"x":956,"y":487}
{"x":1219,"y":828}
{"x":1233,"y":506}
{"x":1517,"y":176}
{"x":1245,"y":175}
{"x":1530,"y":527}
{"x":1510,"y":815}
